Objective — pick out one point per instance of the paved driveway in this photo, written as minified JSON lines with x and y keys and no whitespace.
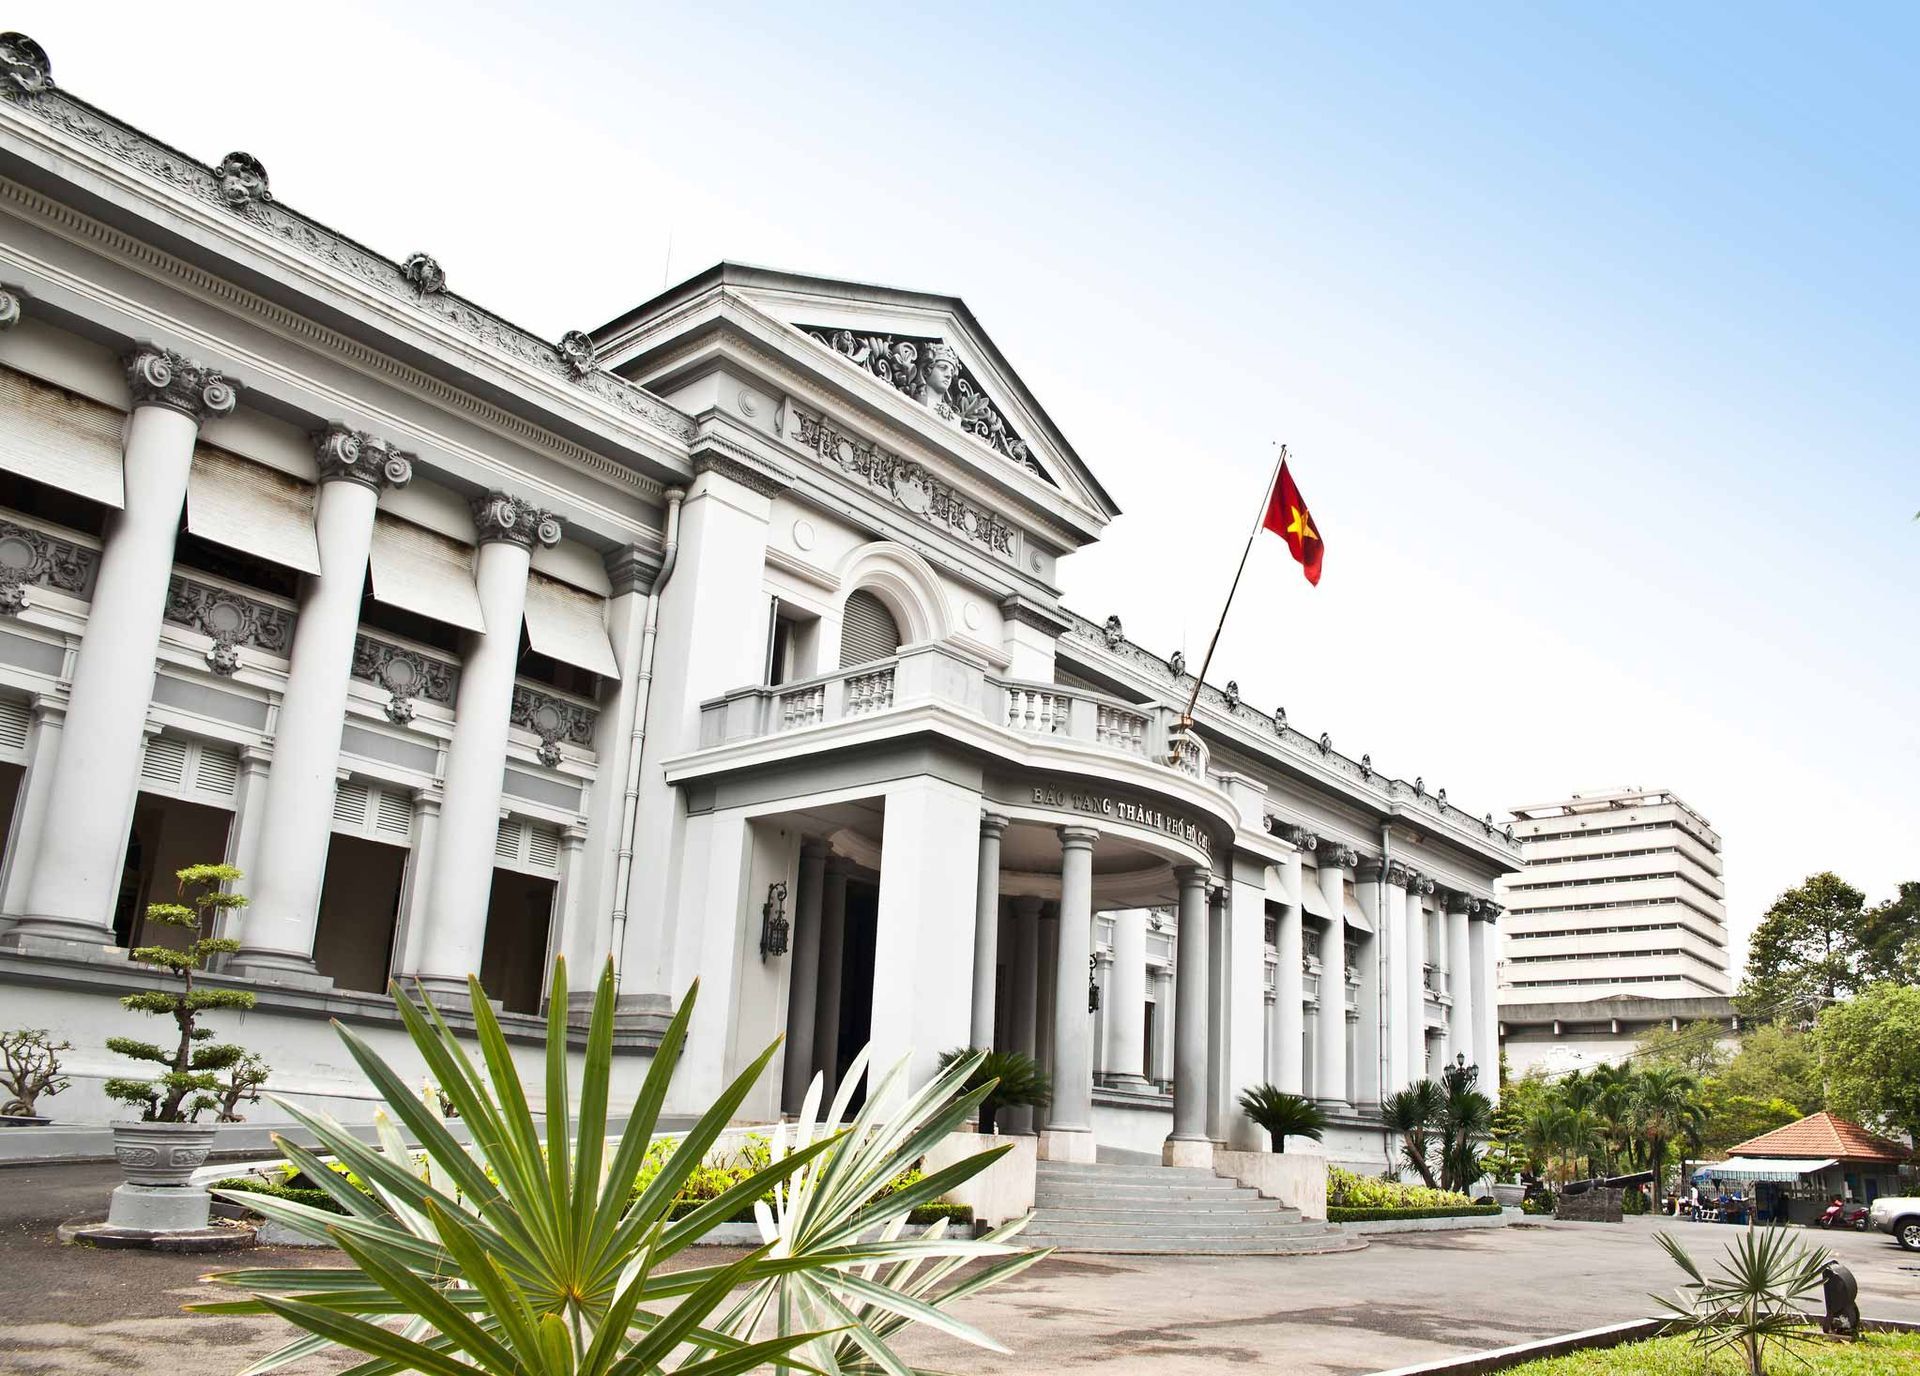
{"x":84,"y":1313}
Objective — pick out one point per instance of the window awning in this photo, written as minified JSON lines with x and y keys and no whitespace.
{"x":1779,"y":1170}
{"x":567,"y":624}
{"x":425,"y":573}
{"x":1311,"y":899}
{"x":1278,"y":889}
{"x":1356,"y":915}
{"x":252,"y":508}
{"x":65,"y":441}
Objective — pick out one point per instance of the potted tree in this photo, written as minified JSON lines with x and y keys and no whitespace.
{"x":168,"y":1142}
{"x":1283,"y":1115}
{"x":1016,"y":1079}
{"x":29,"y":1069}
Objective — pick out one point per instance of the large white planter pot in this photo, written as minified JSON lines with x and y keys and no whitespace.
{"x":161,"y":1153}
{"x":1509,"y":1195}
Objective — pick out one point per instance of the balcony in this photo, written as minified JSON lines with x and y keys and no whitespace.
{"x":937,"y":675}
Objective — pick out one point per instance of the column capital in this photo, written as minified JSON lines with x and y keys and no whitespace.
{"x":346,"y":455}
{"x":1369,"y":872}
{"x":1488,"y":911}
{"x":839,"y":864}
{"x":12,"y":303}
{"x":1458,"y":902}
{"x":992,"y":824}
{"x":1297,"y":836}
{"x":813,"y":848}
{"x":1192,"y":876}
{"x":1336,"y":854}
{"x":161,"y":377}
{"x":501,"y":516}
{"x":1078,"y":838}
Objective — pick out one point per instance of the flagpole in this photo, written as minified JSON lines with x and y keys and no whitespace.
{"x":1259,"y":521}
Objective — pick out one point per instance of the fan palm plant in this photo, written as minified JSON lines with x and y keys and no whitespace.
{"x":1011,"y":1079}
{"x":523,"y":1257}
{"x":1412,"y":1112}
{"x":1666,"y":1108}
{"x":1464,"y":1119}
{"x":1283,"y":1115}
{"x":1753,"y":1300}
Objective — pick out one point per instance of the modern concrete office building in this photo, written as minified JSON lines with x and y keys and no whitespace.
{"x":724,"y":642}
{"x":1621,"y":895}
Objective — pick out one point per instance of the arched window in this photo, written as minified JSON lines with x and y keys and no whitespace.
{"x":867,"y":630}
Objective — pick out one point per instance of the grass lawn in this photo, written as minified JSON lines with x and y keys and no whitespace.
{"x":1877,"y":1354}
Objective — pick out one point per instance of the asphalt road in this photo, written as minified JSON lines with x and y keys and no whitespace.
{"x":1407,"y":1298}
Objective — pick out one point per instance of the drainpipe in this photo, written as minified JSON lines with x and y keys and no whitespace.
{"x":637,"y":736}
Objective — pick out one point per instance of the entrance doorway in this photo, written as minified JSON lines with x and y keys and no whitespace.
{"x":359,"y":904}
{"x":513,"y":960}
{"x":168,"y":834}
{"x":856,"y":976}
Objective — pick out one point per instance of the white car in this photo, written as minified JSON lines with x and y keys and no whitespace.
{"x":1898,"y":1214}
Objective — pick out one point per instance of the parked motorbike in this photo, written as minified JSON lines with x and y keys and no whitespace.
{"x":1839,"y":1215}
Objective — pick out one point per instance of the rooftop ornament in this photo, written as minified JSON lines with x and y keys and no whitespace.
{"x":577,"y":352}
{"x":25,"y":64}
{"x":427,"y":276}
{"x":243,"y":181}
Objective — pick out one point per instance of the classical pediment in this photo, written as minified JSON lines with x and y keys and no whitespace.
{"x":931,"y":371}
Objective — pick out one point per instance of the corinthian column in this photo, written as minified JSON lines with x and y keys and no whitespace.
{"x":1069,"y":1133}
{"x":76,"y":877}
{"x":1289,"y":1023}
{"x":1459,"y":978}
{"x":1330,"y":1027}
{"x":456,"y":916}
{"x":986,"y":930}
{"x":290,"y":865}
{"x":1127,"y":1001}
{"x":1189,"y":1144}
{"x":1415,"y":1008}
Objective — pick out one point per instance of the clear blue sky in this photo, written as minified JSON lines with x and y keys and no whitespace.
{"x":1591,"y":327}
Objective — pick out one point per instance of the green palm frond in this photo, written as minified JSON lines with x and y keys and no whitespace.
{"x":1283,"y":1115}
{"x":1752,"y":1300}
{"x":527,"y":1253}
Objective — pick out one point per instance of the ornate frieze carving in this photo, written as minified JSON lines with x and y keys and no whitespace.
{"x":554,"y":720}
{"x":25,"y":65}
{"x":930,"y":371}
{"x":10,"y":307}
{"x":577,"y":352}
{"x":502,"y":516}
{"x":115,"y":140}
{"x":907,"y":483}
{"x":405,"y":674}
{"x":243,"y":181}
{"x":161,"y":377}
{"x":424,"y":274}
{"x":354,"y":456}
{"x":229,"y":619}
{"x":30,"y":557}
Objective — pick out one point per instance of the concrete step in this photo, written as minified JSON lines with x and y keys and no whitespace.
{"x":1161,"y":1210}
{"x":1055,"y":1170}
{"x":1084,"y":1194}
{"x":1114,"y":1221}
{"x":1154,"y":1205}
{"x":1216,"y":1245}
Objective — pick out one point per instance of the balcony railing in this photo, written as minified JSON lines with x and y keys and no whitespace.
{"x":1058,"y":712}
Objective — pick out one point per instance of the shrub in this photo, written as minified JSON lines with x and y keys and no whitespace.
{"x":1016,"y":1079}
{"x":253,"y":1184}
{"x":1283,"y":1115}
{"x":1338,"y":1214}
{"x":1348,"y":1190}
{"x":1537,"y":1204}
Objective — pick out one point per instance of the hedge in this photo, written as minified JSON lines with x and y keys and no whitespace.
{"x":253,"y":1184}
{"x":1338,"y":1214}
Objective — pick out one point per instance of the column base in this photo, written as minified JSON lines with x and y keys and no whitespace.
{"x":1068,"y":1144}
{"x":1334,"y":1105}
{"x":278,"y":967}
{"x":1127,"y":1084}
{"x":62,"y":940}
{"x":1187,"y":1152}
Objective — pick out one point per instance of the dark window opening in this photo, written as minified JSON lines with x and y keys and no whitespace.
{"x":423,"y":630}
{"x":193,"y":552}
{"x":359,"y":906}
{"x":54,"y":505}
{"x":568,"y":678}
{"x":513,"y":956}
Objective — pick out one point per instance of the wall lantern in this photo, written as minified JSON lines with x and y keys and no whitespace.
{"x":1093,"y":985}
{"x":773,"y":922}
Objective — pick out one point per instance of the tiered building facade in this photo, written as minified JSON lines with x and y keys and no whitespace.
{"x":723,"y":642}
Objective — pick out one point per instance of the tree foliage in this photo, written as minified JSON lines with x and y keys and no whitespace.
{"x":1012,"y":1079}
{"x":190,"y":1083}
{"x":1283,"y":1115}
{"x":1611,"y":1119}
{"x":1442,"y":1125}
{"x":1820,"y":943}
{"x":1869,"y":1050}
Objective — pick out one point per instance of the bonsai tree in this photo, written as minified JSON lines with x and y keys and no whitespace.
{"x":190,"y":1083}
{"x":1283,"y":1115}
{"x":1012,"y":1080}
{"x":29,"y":1067}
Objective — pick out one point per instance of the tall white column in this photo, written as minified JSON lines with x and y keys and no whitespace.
{"x":456,"y":913}
{"x":1484,"y":947}
{"x":923,"y":934}
{"x":1044,"y":990}
{"x":1382,"y":895}
{"x":803,"y":988}
{"x":1415,"y":1010}
{"x":1245,"y":1022}
{"x":1459,"y":979}
{"x":290,"y":862}
{"x":1127,"y":1001}
{"x":30,"y":812}
{"x":1219,"y":993}
{"x":1189,"y":1144}
{"x":1069,"y":1134}
{"x":1163,"y":1024}
{"x":76,"y":877}
{"x":1289,"y":1014}
{"x":1330,"y":1041}
{"x":1023,"y":1016}
{"x":986,"y":930}
{"x":833,"y":941}
{"x":1103,"y":1013}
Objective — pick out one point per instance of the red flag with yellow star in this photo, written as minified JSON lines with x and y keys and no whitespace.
{"x":1287,"y":517}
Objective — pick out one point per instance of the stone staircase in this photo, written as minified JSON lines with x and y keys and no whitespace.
{"x":1166,"y":1210}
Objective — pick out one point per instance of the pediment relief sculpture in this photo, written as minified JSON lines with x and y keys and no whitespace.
{"x":930,"y":371}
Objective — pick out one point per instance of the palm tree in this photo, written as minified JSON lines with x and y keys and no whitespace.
{"x":1013,"y":1080}
{"x":1613,"y":1088}
{"x":1464,"y":1120}
{"x":1666,"y":1108}
{"x":1283,"y":1115}
{"x":1411,"y":1112}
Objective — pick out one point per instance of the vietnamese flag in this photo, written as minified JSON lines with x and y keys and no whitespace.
{"x":1287,"y":517}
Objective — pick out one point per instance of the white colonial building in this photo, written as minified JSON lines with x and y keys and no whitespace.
{"x":724,"y":642}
